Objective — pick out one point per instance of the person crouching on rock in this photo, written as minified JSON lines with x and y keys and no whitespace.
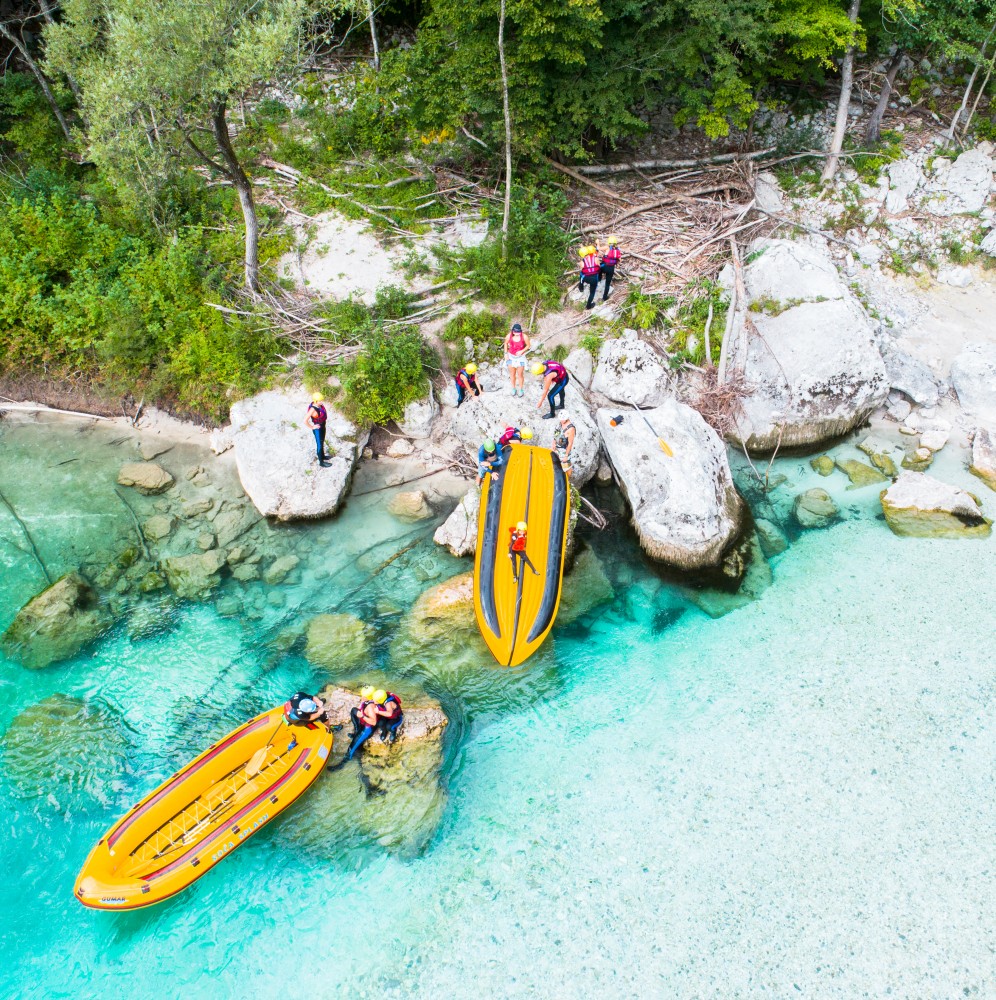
{"x":466,"y":382}
{"x":489,"y":461}
{"x":514,"y":434}
{"x":305,"y":710}
{"x":391,"y":715}
{"x":555,"y":379}
{"x":365,"y":719}
{"x":517,"y":550}
{"x":315,"y":422}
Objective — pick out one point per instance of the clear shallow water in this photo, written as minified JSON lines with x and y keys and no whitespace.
{"x":798,"y":797}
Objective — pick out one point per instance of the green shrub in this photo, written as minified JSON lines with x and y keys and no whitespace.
{"x":592,"y":343}
{"x":393,"y":302}
{"x":485,"y":329}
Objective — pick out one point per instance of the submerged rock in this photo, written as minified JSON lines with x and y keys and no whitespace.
{"x":66,"y":752}
{"x":446,"y":606}
{"x":631,"y":372}
{"x":878,"y":453}
{"x":585,"y":587}
{"x":146,"y":477}
{"x":815,"y":509}
{"x":193,"y":577}
{"x":275,"y":456}
{"x":338,"y":642}
{"x":410,"y":506}
{"x":859,"y":473}
{"x":55,"y":624}
{"x":756,"y":580}
{"x":459,"y":531}
{"x":920,"y":506}
{"x":984,"y":456}
{"x":158,"y":527}
{"x":771,"y":537}
{"x":685,"y":508}
{"x":824,"y":465}
{"x":280,"y":569}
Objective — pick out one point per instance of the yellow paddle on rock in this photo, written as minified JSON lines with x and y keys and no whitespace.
{"x":665,"y":447}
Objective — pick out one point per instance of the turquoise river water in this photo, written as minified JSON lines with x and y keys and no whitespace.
{"x":796,"y":799}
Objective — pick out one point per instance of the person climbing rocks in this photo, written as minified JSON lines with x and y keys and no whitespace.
{"x":517,"y":550}
{"x":514,"y":434}
{"x":466,"y":382}
{"x":304,"y":709}
{"x":563,"y":441}
{"x":365,"y":719}
{"x":517,"y":345}
{"x":555,"y":378}
{"x":590,"y":267}
{"x":610,"y":259}
{"x":390,"y":713}
{"x":315,"y":422}
{"x":489,"y":461}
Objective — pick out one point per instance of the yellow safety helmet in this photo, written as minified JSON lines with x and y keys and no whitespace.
{"x":470,"y":369}
{"x":317,"y":398}
{"x":538,"y":369}
{"x":380,"y":696}
{"x":613,"y":240}
{"x":366,"y":693}
{"x":520,"y":526}
{"x":527,"y":434}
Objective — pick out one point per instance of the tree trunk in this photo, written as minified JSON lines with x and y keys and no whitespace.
{"x":978,"y":96}
{"x":46,"y":9}
{"x":875,"y":122}
{"x":373,"y":34}
{"x":219,"y":124}
{"x":971,"y":84}
{"x":846,"y":83}
{"x":22,"y":50}
{"x":508,"y":132}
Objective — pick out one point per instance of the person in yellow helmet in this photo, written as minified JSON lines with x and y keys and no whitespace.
{"x":390,"y":713}
{"x":315,"y":422}
{"x":466,"y":382}
{"x":589,"y":273}
{"x":610,"y":259}
{"x":514,"y":434}
{"x":517,"y":550}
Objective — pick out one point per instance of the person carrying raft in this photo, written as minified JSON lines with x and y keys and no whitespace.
{"x":489,"y":461}
{"x":466,"y":382}
{"x":517,"y":550}
{"x":555,"y":379}
{"x":514,"y":434}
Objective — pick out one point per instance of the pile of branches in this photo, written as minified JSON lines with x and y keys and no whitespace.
{"x":720,"y":402}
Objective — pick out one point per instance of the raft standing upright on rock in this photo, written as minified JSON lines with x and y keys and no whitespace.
{"x":590,"y":268}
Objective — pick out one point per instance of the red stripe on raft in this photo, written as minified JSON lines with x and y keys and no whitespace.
{"x":229,"y":823}
{"x":181,"y":776}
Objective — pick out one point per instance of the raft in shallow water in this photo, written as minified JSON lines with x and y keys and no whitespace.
{"x":516,"y":616}
{"x":193,"y":820}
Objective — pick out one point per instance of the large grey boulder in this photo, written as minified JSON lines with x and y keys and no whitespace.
{"x":581,"y":365}
{"x":631,"y":371}
{"x":923,"y":507}
{"x":496,"y":408}
{"x":905,"y":177}
{"x":807,"y":354}
{"x":973,"y":374}
{"x":459,"y":531}
{"x":418,"y":417}
{"x":275,"y":456}
{"x":984,"y":456}
{"x":908,"y":374}
{"x":685,"y":508}
{"x":961,"y":188}
{"x":55,"y":624}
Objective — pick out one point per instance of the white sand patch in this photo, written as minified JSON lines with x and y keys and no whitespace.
{"x":337,"y":257}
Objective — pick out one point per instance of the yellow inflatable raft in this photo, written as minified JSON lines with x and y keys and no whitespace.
{"x":516,"y":616}
{"x":203,"y":813}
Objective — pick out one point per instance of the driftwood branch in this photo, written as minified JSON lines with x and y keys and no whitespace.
{"x":599,"y":169}
{"x":27,"y":536}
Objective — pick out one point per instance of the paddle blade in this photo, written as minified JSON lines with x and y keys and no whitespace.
{"x":255,"y":762}
{"x":665,"y":447}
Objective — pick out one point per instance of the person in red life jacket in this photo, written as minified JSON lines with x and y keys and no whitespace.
{"x":305,"y":710}
{"x":514,"y":434}
{"x":517,"y":550}
{"x":365,"y":719}
{"x":391,"y":715}
{"x":555,"y":380}
{"x":610,"y":258}
{"x":590,"y":266}
{"x":517,"y":346}
{"x":315,"y":422}
{"x":466,"y":382}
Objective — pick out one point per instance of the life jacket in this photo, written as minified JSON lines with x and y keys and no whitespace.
{"x":561,"y":441}
{"x":360,"y":709}
{"x":391,"y":696}
{"x":511,"y":434}
{"x":518,"y":540}
{"x":557,"y":369}
{"x":471,"y":379}
{"x":611,"y":257}
{"x":321,"y":414}
{"x":589,"y":264}
{"x":291,"y":710}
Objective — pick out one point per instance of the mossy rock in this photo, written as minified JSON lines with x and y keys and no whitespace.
{"x":584,"y":588}
{"x":815,"y":509}
{"x":338,"y":642}
{"x":824,"y":465}
{"x":860,"y":474}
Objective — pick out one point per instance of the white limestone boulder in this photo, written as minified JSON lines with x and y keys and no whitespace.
{"x":767,"y":193}
{"x":961,"y":189}
{"x":630,"y":371}
{"x":905,"y":177}
{"x":685,"y":508}
{"x":581,"y":365}
{"x":418,"y":417}
{"x":984,"y":455}
{"x":459,"y":531}
{"x":919,"y":506}
{"x":487,"y":415}
{"x":275,"y":456}
{"x":909,"y":374}
{"x":808,"y":356}
{"x":973,"y":374}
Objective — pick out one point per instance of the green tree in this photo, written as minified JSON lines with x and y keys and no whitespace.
{"x":157,"y":77}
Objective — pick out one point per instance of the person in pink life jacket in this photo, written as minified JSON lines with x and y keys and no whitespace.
{"x":517,"y":346}
{"x":315,"y":422}
{"x":555,"y":379}
{"x":590,"y":266}
{"x":610,"y":259}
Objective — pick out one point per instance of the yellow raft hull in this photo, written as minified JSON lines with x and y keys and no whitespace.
{"x":192,"y":821}
{"x":516,"y":616}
